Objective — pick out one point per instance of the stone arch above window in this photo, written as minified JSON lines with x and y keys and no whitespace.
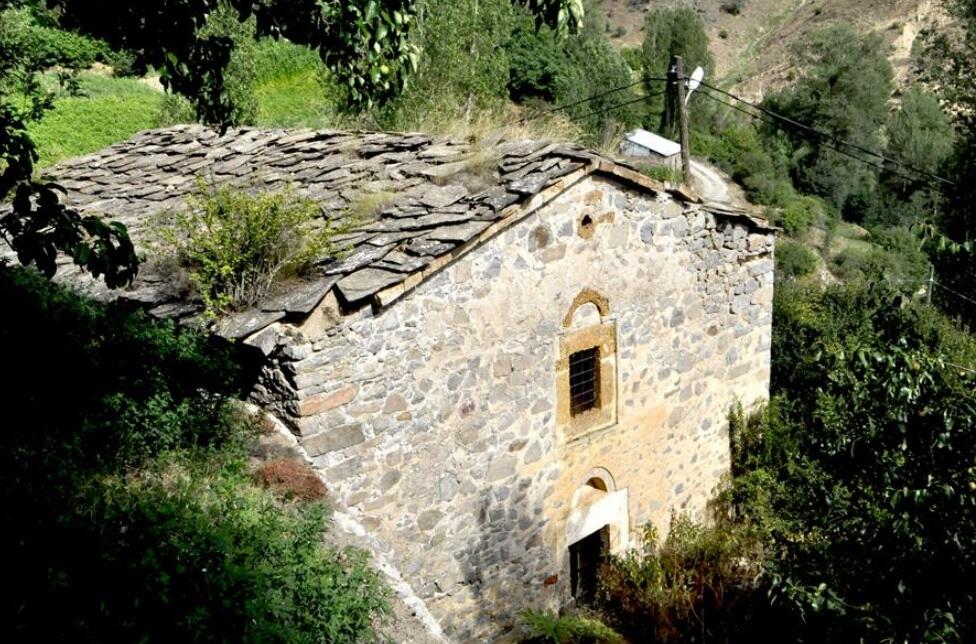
{"x":601,"y":479}
{"x":586,"y":296}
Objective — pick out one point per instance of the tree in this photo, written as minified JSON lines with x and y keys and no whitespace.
{"x":464,"y":68}
{"x":669,"y":32}
{"x":951,"y":66}
{"x":364,"y":43}
{"x":37,"y":225}
{"x":844,"y":89}
{"x":919,"y":134}
{"x":863,"y":469}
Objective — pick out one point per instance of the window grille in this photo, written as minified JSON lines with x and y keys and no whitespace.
{"x":584,"y":380}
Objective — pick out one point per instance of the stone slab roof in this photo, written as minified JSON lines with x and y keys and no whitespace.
{"x":441,"y":197}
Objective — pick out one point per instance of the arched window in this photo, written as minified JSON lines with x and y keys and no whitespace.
{"x":586,"y":371}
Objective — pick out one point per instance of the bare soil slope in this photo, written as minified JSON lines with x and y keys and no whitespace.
{"x":752,"y":48}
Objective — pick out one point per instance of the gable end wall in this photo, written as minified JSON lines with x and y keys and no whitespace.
{"x":435,"y":420}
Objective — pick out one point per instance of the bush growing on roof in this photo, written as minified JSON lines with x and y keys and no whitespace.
{"x":235,"y":247}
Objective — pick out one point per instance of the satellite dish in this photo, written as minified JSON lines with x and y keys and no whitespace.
{"x":694,"y":82}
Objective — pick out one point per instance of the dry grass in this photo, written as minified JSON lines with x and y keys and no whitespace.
{"x":291,"y":479}
{"x":367,"y":206}
{"x":486,"y":129}
{"x":510,"y":123}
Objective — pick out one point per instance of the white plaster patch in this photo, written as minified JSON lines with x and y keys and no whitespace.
{"x":608,"y":509}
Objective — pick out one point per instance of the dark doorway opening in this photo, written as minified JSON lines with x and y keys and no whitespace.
{"x":585,"y":557}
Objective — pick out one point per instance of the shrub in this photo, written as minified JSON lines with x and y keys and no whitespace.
{"x":545,"y":627}
{"x":47,"y":45}
{"x":794,"y":259}
{"x":123,"y":63}
{"x":127,"y":509}
{"x":185,"y":553}
{"x":236,"y":247}
{"x":241,"y":73}
{"x":664,"y":591}
{"x":105,"y":386}
{"x":803,"y":211}
{"x":290,"y":478}
{"x":733,"y":7}
{"x":870,"y":448}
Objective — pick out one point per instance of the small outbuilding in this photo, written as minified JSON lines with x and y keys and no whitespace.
{"x":649,"y":147}
{"x":528,"y":351}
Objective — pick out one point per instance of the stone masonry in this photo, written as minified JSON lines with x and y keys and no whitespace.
{"x":434,"y":420}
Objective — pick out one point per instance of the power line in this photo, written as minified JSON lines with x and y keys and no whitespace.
{"x":594,"y":97}
{"x":615,"y":107}
{"x":835,"y":148}
{"x":954,"y":292}
{"x":832,"y":137}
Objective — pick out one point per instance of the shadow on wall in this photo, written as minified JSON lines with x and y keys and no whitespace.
{"x":508,"y":567}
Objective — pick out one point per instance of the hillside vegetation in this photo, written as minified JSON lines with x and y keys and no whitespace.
{"x":849,"y":511}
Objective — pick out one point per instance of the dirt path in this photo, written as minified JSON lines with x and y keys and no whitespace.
{"x":714,"y":185}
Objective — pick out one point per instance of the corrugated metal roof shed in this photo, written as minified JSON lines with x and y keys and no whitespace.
{"x":653,"y":142}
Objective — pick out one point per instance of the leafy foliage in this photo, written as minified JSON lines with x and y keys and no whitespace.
{"x":565,"y":71}
{"x":950,"y":64}
{"x":38,"y":225}
{"x":758,"y":163}
{"x":845,"y":92}
{"x":545,"y":627}
{"x":793,"y":260}
{"x":697,"y":580}
{"x":896,"y":258}
{"x":672,"y":31}
{"x":127,"y":509}
{"x":180,"y":554}
{"x":563,"y":16}
{"x":44,"y":45}
{"x":136,"y":384}
{"x":920,"y":134}
{"x":802,"y":212}
{"x":463,"y":70}
{"x":236,"y":247}
{"x":363,"y":42}
{"x":866,"y":463}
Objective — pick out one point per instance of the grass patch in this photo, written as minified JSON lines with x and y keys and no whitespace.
{"x":299,"y":100}
{"x":291,"y":86}
{"x":542,"y":627}
{"x":107,"y":111}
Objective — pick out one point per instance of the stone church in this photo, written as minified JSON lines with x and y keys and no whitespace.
{"x":527,"y":352}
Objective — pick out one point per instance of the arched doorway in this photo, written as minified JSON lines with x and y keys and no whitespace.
{"x":597,"y":526}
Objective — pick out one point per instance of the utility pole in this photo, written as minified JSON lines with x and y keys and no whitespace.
{"x":683,"y":119}
{"x":670,"y":101}
{"x":928,"y":291}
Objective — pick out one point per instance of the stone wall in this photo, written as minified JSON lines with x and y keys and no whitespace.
{"x":435,"y":422}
